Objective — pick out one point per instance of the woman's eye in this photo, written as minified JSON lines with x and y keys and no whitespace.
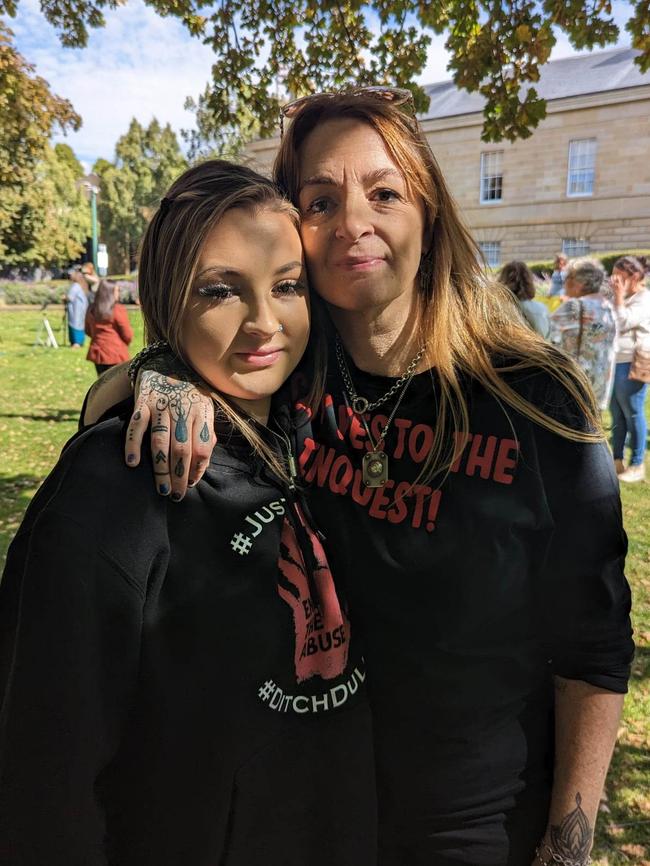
{"x":386,"y":195}
{"x":216,"y":291}
{"x":288,"y":287}
{"x":318,"y":206}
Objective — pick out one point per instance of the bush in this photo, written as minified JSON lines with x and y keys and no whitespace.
{"x":607,"y":260}
{"x":32,"y":293}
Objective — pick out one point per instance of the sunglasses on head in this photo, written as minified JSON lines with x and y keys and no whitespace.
{"x":395,"y":95}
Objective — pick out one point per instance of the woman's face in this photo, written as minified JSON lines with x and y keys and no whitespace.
{"x":627,"y":284}
{"x":362,"y":232}
{"x":247,"y":323}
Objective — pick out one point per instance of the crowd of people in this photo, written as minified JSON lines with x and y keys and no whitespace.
{"x":605,"y":325}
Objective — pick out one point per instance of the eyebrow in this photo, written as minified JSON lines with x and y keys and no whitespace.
{"x":233,"y":272}
{"x":369,"y":178}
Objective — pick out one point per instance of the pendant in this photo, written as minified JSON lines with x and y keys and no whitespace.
{"x":359,"y":405}
{"x":375,"y":469}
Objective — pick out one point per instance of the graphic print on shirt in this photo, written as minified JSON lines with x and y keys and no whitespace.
{"x":321,"y":627}
{"x":488,"y":457}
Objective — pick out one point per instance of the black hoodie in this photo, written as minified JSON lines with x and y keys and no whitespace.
{"x":173,"y":693}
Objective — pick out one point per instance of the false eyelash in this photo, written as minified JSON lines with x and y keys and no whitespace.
{"x":213,"y":289}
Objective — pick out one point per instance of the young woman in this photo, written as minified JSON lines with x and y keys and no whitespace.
{"x":109,"y":329}
{"x":585,"y":327}
{"x":632,"y":305}
{"x":518,"y":277}
{"x":471,"y":504}
{"x":182,"y":687}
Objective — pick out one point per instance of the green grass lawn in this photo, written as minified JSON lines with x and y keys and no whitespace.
{"x":41,"y":391}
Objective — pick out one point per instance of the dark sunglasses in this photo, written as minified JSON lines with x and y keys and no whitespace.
{"x":395,"y":95}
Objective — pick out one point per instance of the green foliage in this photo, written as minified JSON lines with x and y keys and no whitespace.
{"x":607,"y":260}
{"x":29,"y":112}
{"x":41,"y":391}
{"x":263,"y":48}
{"x":65,"y":154}
{"x":50,"y":220}
{"x":210,"y":139}
{"x":147,"y":160}
{"x":32,"y":293}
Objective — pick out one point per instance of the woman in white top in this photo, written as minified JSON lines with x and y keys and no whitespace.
{"x":585,"y":326}
{"x":632,"y":306}
{"x":518,"y":277}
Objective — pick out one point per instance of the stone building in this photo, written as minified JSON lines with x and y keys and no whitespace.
{"x":580,"y":183}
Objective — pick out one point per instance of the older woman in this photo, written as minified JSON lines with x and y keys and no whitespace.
{"x":518,"y":277}
{"x":458,"y":469}
{"x":632,"y":303}
{"x":585,"y":327}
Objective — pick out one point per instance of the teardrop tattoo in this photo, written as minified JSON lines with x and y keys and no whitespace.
{"x":204,"y":435}
{"x":179,"y":470}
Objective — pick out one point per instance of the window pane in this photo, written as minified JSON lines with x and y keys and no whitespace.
{"x":582,"y":165}
{"x":491,"y":253}
{"x":574,"y":247}
{"x":492,"y":175}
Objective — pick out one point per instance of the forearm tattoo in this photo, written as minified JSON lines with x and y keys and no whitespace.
{"x":178,"y":397}
{"x":571,"y":839}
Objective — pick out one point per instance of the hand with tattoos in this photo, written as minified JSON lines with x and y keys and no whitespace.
{"x":182,"y":431}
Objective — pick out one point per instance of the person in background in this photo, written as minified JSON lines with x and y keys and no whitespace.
{"x":518,"y":277}
{"x":107,"y":324}
{"x":632,"y":306}
{"x":76,"y":308}
{"x":559,"y":275}
{"x":89,"y":272}
{"x":585,"y":327}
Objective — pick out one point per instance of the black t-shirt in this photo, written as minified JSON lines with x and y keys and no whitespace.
{"x":179,"y":683}
{"x":469,"y":594}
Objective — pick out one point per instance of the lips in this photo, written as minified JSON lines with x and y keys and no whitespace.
{"x":260,"y":357}
{"x":359,"y":263}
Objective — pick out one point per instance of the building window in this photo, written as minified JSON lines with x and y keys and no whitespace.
{"x":574,"y":247}
{"x":491,"y":176}
{"x":491,"y":253}
{"x":582,"y":167}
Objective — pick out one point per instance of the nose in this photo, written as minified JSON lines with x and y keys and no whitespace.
{"x":353,"y":217}
{"x":261,"y":320}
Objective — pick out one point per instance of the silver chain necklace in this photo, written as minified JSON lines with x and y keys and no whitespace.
{"x":375,"y":463}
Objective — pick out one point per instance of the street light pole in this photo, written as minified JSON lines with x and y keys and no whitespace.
{"x":93,"y":209}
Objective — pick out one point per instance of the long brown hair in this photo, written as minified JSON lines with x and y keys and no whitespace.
{"x":169,"y":259}
{"x":102,"y":305}
{"x":518,"y":277}
{"x":468,"y":323}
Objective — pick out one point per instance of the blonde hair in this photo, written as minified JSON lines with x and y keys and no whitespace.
{"x":169,"y":260}
{"x":468,"y":323}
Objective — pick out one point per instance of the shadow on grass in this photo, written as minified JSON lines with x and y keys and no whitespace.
{"x":623,"y":835}
{"x":57,"y":415}
{"x":15,"y":495}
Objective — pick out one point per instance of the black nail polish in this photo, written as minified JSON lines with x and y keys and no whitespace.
{"x":163,"y":489}
{"x":176,"y":497}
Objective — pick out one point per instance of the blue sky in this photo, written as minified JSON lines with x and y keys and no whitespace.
{"x":141,"y":65}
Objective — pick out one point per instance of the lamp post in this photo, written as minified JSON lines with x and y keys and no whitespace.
{"x":93,"y":190}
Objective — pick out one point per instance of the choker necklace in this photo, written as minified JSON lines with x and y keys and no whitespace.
{"x":375,"y":462}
